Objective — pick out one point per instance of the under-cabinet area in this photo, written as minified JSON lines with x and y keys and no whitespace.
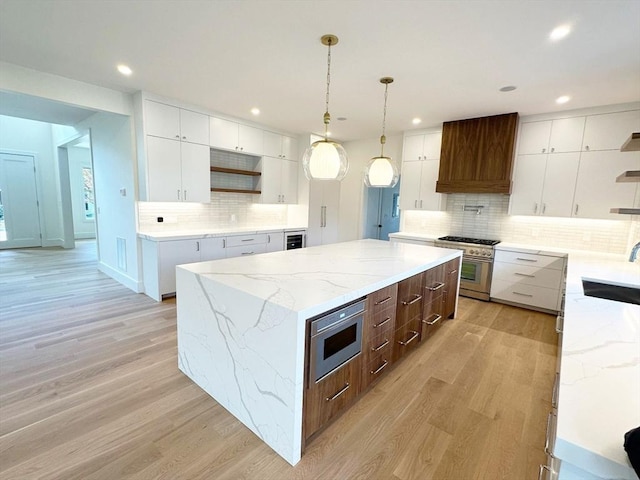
{"x":250,"y":317}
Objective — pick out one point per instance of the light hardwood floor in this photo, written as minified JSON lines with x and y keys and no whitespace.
{"x":90,"y":389}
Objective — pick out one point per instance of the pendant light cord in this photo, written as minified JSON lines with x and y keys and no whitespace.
{"x":383,"y":138}
{"x":327,"y":117}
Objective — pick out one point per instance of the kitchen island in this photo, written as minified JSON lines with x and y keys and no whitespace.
{"x":242,"y":323}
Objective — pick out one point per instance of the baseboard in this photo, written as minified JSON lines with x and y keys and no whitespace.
{"x":124,"y":279}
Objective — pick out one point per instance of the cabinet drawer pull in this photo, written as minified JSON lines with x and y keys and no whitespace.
{"x":524,"y":275}
{"x":433,"y":289}
{"x":416,"y":299}
{"x":413,"y":337}
{"x":547,"y":440}
{"x":384,"y":300}
{"x":381,"y":346}
{"x":248,"y":253}
{"x":382,"y":322}
{"x":527,"y":259}
{"x":340,"y":392}
{"x":433,"y":322}
{"x":554,"y":392}
{"x":380,"y":368}
{"x":453,"y":271}
{"x":522,"y":294}
{"x":542,"y":469}
{"x":248,"y":239}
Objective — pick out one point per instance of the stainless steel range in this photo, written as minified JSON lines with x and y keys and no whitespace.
{"x":477,"y":264}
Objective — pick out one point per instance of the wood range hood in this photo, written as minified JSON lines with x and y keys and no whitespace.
{"x":477,"y":155}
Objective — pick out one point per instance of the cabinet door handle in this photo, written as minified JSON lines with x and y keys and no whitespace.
{"x":522,"y":294}
{"x":177,"y":136}
{"x":413,"y":337}
{"x":544,"y":208}
{"x":559,"y":323}
{"x":248,"y":253}
{"x":382,"y":322}
{"x":524,"y":275}
{"x":554,"y":392}
{"x":553,"y":149}
{"x":453,"y":272}
{"x":184,"y":138}
{"x":433,"y":322}
{"x":248,"y":239}
{"x":197,"y":246}
{"x":433,"y":289}
{"x":586,"y":147}
{"x":417,"y":298}
{"x":576,"y":211}
{"x":547,"y":442}
{"x":185,"y":194}
{"x":544,"y":150}
{"x":339,"y":392}
{"x":383,"y":301}
{"x":535,"y":208}
{"x":268,"y":238}
{"x":380,"y":368}
{"x":381,"y":346}
{"x":224,"y":243}
{"x":542,"y":469}
{"x":415,"y":204}
{"x":178,"y":194}
{"x":526,"y":259}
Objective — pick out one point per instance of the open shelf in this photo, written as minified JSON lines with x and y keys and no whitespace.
{"x":236,"y":171}
{"x":236,"y":190}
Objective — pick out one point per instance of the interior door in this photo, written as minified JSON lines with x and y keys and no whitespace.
{"x":19,"y":219}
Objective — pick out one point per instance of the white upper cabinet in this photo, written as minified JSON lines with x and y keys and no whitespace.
{"x":551,"y":136}
{"x":422,"y":147}
{"x":279,"y":146}
{"x":528,"y":180}
{"x":559,"y":184}
{"x":175,"y":123}
{"x":279,"y":180}
{"x":596,"y":189}
{"x":164,"y":171}
{"x":420,"y":166}
{"x":229,"y":135}
{"x":610,"y":130}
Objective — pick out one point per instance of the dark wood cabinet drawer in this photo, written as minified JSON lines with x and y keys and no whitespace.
{"x":382,"y":321}
{"x":376,"y":368}
{"x":434,"y":283}
{"x":432,"y":319}
{"x":406,"y":338}
{"x":383,"y":298}
{"x":328,"y":397}
{"x":410,"y":300}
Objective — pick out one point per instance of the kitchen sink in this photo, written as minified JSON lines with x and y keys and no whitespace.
{"x":611,"y":291}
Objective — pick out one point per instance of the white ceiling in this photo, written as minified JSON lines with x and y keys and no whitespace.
{"x":449,"y":58}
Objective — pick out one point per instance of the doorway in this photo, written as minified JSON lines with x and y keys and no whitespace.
{"x":19,"y":207}
{"x":383,"y":212}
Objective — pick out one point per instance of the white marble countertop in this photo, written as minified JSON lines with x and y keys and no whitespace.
{"x":313,"y":280}
{"x":413,"y":236}
{"x":600,"y":369}
{"x":194,"y":234}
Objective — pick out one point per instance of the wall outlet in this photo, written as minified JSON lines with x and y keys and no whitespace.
{"x":160,"y":219}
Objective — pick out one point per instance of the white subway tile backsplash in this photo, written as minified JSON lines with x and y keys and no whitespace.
{"x":493,"y":222}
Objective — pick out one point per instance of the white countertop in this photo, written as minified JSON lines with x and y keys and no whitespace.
{"x":414,"y":236}
{"x":182,"y":234}
{"x":313,"y":280}
{"x":600,"y":369}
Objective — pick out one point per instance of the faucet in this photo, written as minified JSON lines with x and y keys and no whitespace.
{"x":634,"y":252}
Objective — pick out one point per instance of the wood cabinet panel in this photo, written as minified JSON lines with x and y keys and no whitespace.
{"x":326,"y":398}
{"x":407,"y":337}
{"x":450,"y":292}
{"x":432,"y":318}
{"x":410,"y":299}
{"x":477,"y":155}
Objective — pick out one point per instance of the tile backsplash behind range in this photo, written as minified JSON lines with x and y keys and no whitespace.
{"x":493,"y":222}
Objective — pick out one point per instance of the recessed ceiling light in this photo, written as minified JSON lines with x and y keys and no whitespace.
{"x":508,"y":88}
{"x":559,"y":32}
{"x":563,"y":99}
{"x":124,"y":69}
{"x":255,"y":111}
{"x":416,"y":121}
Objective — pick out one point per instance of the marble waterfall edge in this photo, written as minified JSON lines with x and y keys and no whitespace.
{"x":231,"y":345}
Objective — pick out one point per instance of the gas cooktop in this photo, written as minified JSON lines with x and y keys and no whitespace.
{"x":475,"y":241}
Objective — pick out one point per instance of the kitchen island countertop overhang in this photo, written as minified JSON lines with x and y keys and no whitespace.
{"x":242,"y":323}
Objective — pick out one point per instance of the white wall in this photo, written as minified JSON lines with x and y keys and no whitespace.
{"x":114,"y":182}
{"x":19,"y":135}
{"x":352,"y":214}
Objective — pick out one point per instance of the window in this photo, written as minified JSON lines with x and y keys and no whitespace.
{"x":88,"y":197}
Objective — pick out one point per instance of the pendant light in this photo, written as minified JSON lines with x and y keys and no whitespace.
{"x":382,"y":171}
{"x":326,"y":159}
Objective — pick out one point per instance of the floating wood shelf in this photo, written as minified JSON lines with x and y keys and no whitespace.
{"x":235,"y":171}
{"x":236,"y":190}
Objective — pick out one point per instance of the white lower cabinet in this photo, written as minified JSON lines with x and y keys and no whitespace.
{"x":243,"y":245}
{"x":528,"y":279}
{"x":275,"y":242}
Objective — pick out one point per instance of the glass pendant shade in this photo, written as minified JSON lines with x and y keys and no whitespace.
{"x":325,"y":160}
{"x":381,"y":172}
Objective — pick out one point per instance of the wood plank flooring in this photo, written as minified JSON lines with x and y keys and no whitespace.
{"x":90,"y":389}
